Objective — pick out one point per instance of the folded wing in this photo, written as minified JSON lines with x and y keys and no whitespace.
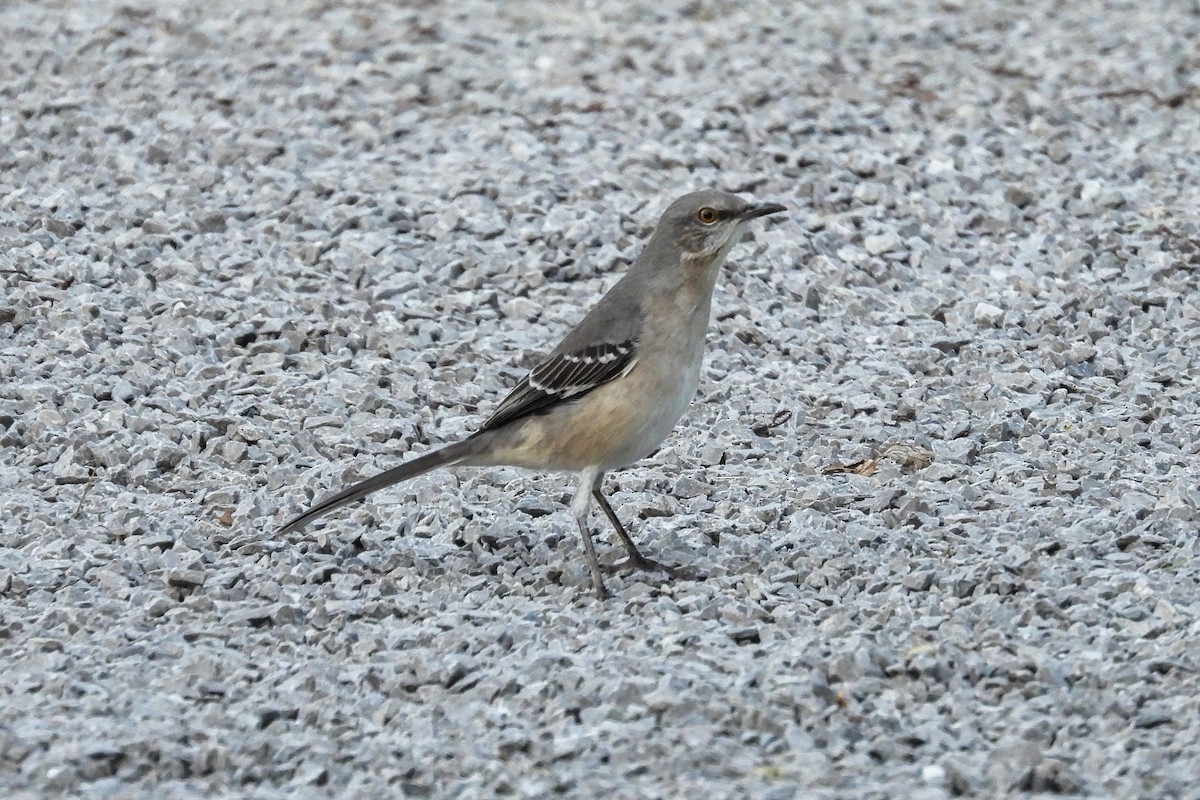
{"x":565,"y":376}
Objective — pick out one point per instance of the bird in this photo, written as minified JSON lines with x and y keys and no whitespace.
{"x":615,"y":386}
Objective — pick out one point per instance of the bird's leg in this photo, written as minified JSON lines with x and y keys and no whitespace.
{"x":580,"y":506}
{"x":636,"y":560}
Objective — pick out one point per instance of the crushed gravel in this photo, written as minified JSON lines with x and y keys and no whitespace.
{"x":250,"y":252}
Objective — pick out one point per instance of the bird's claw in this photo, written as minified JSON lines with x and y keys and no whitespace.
{"x":645,"y":564}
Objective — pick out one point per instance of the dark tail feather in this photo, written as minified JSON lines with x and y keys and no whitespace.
{"x":447,"y":456}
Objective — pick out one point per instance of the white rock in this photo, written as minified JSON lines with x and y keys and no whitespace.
{"x":988,"y":315}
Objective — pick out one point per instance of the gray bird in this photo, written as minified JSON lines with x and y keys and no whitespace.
{"x":618,"y":383}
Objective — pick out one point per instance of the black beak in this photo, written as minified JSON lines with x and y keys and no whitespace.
{"x":760,"y":210}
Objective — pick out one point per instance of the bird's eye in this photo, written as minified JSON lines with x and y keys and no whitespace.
{"x":707,"y":215}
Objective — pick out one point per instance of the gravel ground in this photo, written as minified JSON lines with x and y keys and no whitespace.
{"x":251,"y":252}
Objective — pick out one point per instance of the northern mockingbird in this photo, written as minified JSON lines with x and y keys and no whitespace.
{"x":616,"y":385}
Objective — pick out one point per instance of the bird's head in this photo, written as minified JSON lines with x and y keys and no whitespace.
{"x":706,"y":224}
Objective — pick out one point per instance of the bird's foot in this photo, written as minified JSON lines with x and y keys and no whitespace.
{"x":641,"y":562}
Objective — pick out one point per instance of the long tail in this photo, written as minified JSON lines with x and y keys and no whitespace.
{"x":446,"y":457}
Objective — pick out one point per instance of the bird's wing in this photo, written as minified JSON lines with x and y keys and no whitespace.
{"x":565,"y":376}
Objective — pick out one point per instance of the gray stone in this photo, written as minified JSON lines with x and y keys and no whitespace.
{"x":280,"y":251}
{"x":988,"y":315}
